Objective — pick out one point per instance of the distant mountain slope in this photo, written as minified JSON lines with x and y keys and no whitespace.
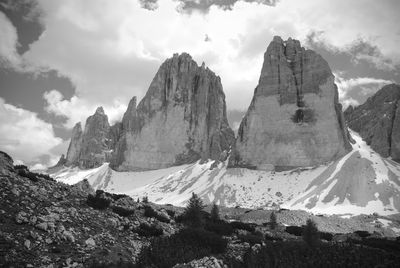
{"x":378,"y":121}
{"x":360,"y":182}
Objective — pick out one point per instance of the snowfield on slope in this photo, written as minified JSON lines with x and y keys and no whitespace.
{"x":361,"y":182}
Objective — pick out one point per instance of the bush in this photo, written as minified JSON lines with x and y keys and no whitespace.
{"x":294,"y":230}
{"x":325,"y":236}
{"x":273,"y":221}
{"x":123,"y":211}
{"x":98,"y":201}
{"x":310,"y":234}
{"x":182,"y":247}
{"x":219,"y":227}
{"x":194,"y":214}
{"x":243,"y":226}
{"x":252,"y":238}
{"x":152,"y":213}
{"x":148,"y":230}
{"x":362,"y":234}
{"x":23,"y":171}
{"x":214,"y":213}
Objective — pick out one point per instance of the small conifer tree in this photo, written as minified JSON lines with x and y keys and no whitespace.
{"x":310,"y":234}
{"x":194,"y":211}
{"x":145,"y":199}
{"x":215,"y":213}
{"x":273,"y":220}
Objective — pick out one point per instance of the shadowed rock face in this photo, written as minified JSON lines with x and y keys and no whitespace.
{"x":89,"y":149}
{"x":294,"y":118}
{"x":378,"y":121}
{"x":181,"y":119}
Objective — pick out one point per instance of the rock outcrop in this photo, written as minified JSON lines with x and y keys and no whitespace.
{"x":378,"y":121}
{"x":6,"y":164}
{"x":181,"y":119}
{"x":294,"y":118}
{"x":90,"y":148}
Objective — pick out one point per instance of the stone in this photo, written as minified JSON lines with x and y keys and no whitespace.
{"x":295,"y":118}
{"x":378,"y":121}
{"x":21,"y":218}
{"x":27,"y":244}
{"x":69,"y":236}
{"x":90,"y":242}
{"x":6,"y":164}
{"x":42,"y":226}
{"x":181,"y":119}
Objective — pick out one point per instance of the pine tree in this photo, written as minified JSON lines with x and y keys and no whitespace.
{"x":215,"y":213}
{"x":310,"y":234}
{"x":193,"y":214}
{"x":273,"y":220}
{"x":145,"y":199}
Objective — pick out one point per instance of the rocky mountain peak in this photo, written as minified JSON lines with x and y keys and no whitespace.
{"x":100,"y":111}
{"x":295,"y":118}
{"x":182,"y":118}
{"x":378,"y":121}
{"x":89,"y":148}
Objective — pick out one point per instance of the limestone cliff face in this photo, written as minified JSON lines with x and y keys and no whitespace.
{"x":181,"y":119}
{"x":75,"y":144}
{"x":90,"y":148}
{"x":294,"y":118}
{"x":378,"y":121}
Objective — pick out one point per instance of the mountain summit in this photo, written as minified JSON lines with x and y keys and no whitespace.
{"x":294,"y":118}
{"x":182,"y":118}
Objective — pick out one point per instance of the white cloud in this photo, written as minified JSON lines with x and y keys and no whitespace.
{"x":77,"y":109}
{"x":365,"y":86}
{"x":24,"y":136}
{"x":8,"y":43}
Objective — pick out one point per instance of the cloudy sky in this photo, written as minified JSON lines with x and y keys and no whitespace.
{"x":59,"y":60}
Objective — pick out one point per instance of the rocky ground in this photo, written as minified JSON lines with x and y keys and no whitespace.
{"x":44,"y":223}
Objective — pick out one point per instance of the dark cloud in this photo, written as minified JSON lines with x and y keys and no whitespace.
{"x":25,"y":16}
{"x":203,"y":5}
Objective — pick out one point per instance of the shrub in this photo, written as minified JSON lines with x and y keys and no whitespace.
{"x":294,"y":254}
{"x":273,"y":220}
{"x":294,"y":230}
{"x":146,"y":229}
{"x":252,"y":238}
{"x":362,"y":234}
{"x":219,"y":227}
{"x":182,"y":247}
{"x":123,"y":211}
{"x":325,"y":236}
{"x":23,"y":171}
{"x":194,"y":214}
{"x":98,"y":201}
{"x":214,"y":213}
{"x":310,"y":233}
{"x":152,"y":213}
{"x":243,"y":226}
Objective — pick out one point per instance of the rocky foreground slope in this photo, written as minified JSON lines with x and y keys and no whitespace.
{"x":44,"y":223}
{"x":378,"y":121}
{"x":295,"y":118}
